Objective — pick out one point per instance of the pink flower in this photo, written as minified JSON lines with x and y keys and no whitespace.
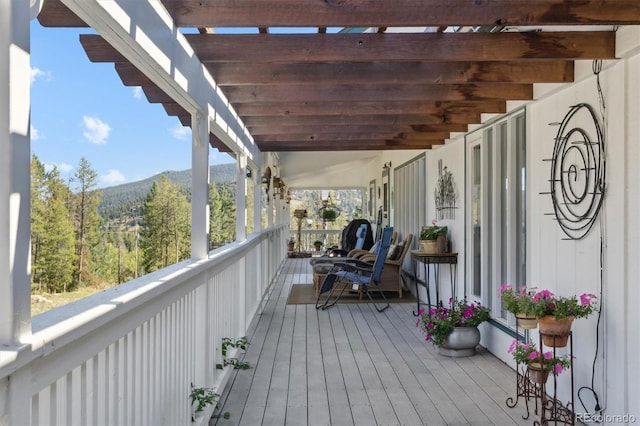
{"x":505,"y":287}
{"x":548,"y":355}
{"x":433,"y":221}
{"x":513,"y":346}
{"x":420,"y":311}
{"x":534,"y":355}
{"x":585,"y":298}
{"x":558,"y":368}
{"x":544,"y":294}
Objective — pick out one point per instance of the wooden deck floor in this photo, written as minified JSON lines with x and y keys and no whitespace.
{"x":351,"y":365}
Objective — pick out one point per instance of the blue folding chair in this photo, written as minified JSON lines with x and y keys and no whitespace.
{"x":361,"y":274}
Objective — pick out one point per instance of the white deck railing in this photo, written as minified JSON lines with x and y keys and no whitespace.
{"x":130,"y":354}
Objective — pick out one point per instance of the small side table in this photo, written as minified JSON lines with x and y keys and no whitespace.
{"x":436,"y":259}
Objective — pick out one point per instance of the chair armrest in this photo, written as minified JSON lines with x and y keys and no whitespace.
{"x":369,"y":258}
{"x":358,"y":253}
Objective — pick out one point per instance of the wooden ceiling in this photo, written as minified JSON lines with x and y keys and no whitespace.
{"x":379,"y":90}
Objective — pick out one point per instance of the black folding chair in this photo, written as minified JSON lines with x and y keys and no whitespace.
{"x":358,"y":274}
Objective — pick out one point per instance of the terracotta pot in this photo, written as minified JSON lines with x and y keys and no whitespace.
{"x":555,"y":333}
{"x":461,"y":342}
{"x":537,"y":373}
{"x":527,"y":322}
{"x":429,"y":246}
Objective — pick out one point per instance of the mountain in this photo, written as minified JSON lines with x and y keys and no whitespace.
{"x":121,"y":200}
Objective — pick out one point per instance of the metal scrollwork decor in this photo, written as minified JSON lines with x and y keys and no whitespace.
{"x":578,"y":171}
{"x":445,"y":194}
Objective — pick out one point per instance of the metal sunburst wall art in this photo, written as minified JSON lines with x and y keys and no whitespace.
{"x":578,"y":171}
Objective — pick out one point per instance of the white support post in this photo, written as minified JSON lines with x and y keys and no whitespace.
{"x":199,"y":187}
{"x":15,"y":175}
{"x":15,"y":178}
{"x":241,"y":198}
{"x":257,"y":202}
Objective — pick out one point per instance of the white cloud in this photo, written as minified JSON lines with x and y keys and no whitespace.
{"x":181,"y":132}
{"x":113,"y":177}
{"x":64,"y":167}
{"x":35,"y":135}
{"x":37,"y":73}
{"x":96,"y":131}
{"x":137,"y":92}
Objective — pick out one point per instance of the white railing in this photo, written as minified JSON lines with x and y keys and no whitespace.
{"x":329,"y":238}
{"x":130,"y":354}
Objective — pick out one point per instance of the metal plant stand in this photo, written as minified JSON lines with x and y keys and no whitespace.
{"x":525,"y":388}
{"x":553,"y":411}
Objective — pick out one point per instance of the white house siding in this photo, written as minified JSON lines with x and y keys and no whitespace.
{"x":569,"y":267}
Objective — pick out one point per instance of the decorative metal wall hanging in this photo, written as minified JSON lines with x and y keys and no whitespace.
{"x":445,"y":194}
{"x":578,"y":170}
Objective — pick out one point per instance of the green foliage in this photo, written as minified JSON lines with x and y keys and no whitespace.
{"x":433,"y":232}
{"x":439,"y":322}
{"x":53,"y":242}
{"x":222,"y":215}
{"x":240,"y":343}
{"x":202,"y":397}
{"x":165,"y":237}
{"x":527,"y":354}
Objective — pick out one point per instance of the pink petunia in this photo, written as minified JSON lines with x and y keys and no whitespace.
{"x":533,"y":355}
{"x":544,"y":295}
{"x":433,"y":222}
{"x":512,"y":346}
{"x":505,"y":287}
{"x":558,"y":368}
{"x":585,"y":298}
{"x":420,"y":311}
{"x":548,"y":355}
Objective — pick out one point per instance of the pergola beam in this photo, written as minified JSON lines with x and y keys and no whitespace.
{"x":365,"y":13}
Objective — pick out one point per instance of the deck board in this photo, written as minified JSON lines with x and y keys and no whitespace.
{"x":350,"y":365}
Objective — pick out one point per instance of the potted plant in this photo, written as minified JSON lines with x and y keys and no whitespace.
{"x":429,"y":236}
{"x":453,"y":330}
{"x":539,"y":364}
{"x":329,"y":215}
{"x":556,"y":314}
{"x":317,"y":244}
{"x":291,"y":244}
{"x":520,"y":304}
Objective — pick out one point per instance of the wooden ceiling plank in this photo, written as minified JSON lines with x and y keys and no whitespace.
{"x":346,"y":145}
{"x":236,"y":74}
{"x":434,"y":47}
{"x":330,"y":128}
{"x":364,"y":13}
{"x":311,"y":137}
{"x":132,"y":76}
{"x":348,"y":108}
{"x":276,"y":123}
{"x":389,"y":92}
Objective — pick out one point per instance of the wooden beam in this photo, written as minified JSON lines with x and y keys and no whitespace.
{"x":387,"y":92}
{"x":445,"y":110}
{"x":99,"y":50}
{"x":54,"y":13}
{"x":321,"y":145}
{"x":310,"y":137}
{"x":371,"y":47}
{"x":333,"y":129}
{"x":236,"y":74}
{"x":417,"y":121}
{"x":416,"y":13}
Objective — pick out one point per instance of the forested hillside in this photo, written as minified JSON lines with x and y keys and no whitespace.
{"x":119,"y":201}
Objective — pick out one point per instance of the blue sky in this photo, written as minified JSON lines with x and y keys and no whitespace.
{"x":82,"y":109}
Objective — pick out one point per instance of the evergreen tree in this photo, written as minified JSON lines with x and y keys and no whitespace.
{"x":222,"y":215}
{"x":38,"y":210}
{"x":86,"y":218}
{"x":56,"y":246}
{"x":165,"y":236}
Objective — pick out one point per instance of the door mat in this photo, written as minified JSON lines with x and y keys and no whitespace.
{"x":303,"y":294}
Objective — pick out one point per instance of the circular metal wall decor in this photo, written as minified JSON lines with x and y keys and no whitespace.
{"x":578,"y":171}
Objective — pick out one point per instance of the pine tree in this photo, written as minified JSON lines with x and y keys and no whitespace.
{"x":222,"y":215}
{"x":38,"y":210}
{"x":56,"y":247}
{"x":87,"y":220}
{"x":165,"y":236}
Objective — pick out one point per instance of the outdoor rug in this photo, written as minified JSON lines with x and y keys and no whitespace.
{"x":303,"y":294}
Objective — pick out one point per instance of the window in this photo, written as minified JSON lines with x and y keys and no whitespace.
{"x":496,"y":217}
